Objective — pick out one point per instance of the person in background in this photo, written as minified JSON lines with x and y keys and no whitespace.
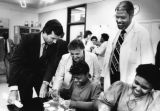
{"x":87,"y":40}
{"x":142,"y":95}
{"x":87,"y":36}
{"x":34,"y":62}
{"x":100,"y":52}
{"x":132,"y":46}
{"x":83,"y":92}
{"x":76,"y":53}
{"x":104,"y":37}
{"x":94,"y":40}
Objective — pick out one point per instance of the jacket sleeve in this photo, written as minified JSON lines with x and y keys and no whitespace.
{"x":101,"y":50}
{"x":54,"y":60}
{"x":111,"y":95}
{"x":59,"y":76}
{"x":96,"y":68}
{"x":17,"y":61}
{"x":157,"y":57}
{"x":147,"y":53}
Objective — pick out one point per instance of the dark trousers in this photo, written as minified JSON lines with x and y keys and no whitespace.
{"x":26,"y":93}
{"x":115,"y":77}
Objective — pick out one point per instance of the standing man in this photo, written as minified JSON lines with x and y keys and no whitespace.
{"x":131,"y":47}
{"x":87,"y":40}
{"x":34,"y":63}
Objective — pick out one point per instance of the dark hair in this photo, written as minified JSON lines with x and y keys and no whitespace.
{"x":94,"y":37}
{"x":55,"y":26}
{"x":79,"y":68}
{"x":127,"y":6}
{"x":151,"y":73}
{"x":105,"y":36}
{"x":75,"y":44}
{"x":5,"y":35}
{"x":86,"y":33}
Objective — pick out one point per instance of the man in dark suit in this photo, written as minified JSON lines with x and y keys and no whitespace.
{"x":157,"y":56}
{"x":34,"y":62}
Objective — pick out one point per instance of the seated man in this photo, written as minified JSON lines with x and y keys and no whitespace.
{"x":82,"y":91}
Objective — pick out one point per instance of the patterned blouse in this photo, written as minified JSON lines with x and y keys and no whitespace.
{"x":127,"y":101}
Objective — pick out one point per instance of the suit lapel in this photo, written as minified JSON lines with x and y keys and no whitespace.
{"x":37,"y":44}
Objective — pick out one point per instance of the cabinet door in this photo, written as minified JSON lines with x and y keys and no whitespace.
{"x":18,"y":30}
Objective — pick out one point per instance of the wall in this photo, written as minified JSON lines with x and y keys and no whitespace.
{"x":100,"y":15}
{"x":17,"y":16}
{"x":60,"y":15}
{"x":59,"y":11}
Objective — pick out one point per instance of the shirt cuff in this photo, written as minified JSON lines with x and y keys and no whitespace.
{"x":13,"y":88}
{"x":46,"y":83}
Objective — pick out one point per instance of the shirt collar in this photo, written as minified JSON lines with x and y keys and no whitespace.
{"x":129,"y":27}
{"x":42,"y":40}
{"x":55,"y":40}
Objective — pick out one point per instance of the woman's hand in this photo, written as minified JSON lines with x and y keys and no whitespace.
{"x":66,"y":103}
{"x":13,"y":96}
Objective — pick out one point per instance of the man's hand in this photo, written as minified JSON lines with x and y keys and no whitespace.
{"x":54,"y":94}
{"x":43,"y":91}
{"x":13,"y":96}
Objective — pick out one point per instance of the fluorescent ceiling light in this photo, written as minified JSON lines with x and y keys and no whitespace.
{"x":23,"y":3}
{"x":48,"y":1}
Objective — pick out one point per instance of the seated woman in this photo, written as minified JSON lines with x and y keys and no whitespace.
{"x":83,"y":91}
{"x":142,"y":95}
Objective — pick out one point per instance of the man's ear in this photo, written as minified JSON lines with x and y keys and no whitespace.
{"x":88,"y":75}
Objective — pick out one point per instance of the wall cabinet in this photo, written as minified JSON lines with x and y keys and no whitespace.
{"x":18,"y":30}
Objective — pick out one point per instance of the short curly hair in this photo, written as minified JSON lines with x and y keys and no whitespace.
{"x":76,"y":44}
{"x":79,"y":68}
{"x":150,"y":73}
{"x":127,"y":6}
{"x":94,"y":37}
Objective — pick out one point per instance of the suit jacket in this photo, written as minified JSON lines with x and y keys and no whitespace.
{"x":63,"y":75}
{"x":26,"y":63}
{"x":136,"y":49}
{"x":157,"y":57}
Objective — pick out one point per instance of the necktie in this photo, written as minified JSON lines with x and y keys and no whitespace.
{"x":5,"y":46}
{"x":115,"y":57}
{"x":44,"y":50}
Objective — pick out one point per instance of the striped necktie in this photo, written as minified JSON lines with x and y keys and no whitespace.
{"x":115,"y":56}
